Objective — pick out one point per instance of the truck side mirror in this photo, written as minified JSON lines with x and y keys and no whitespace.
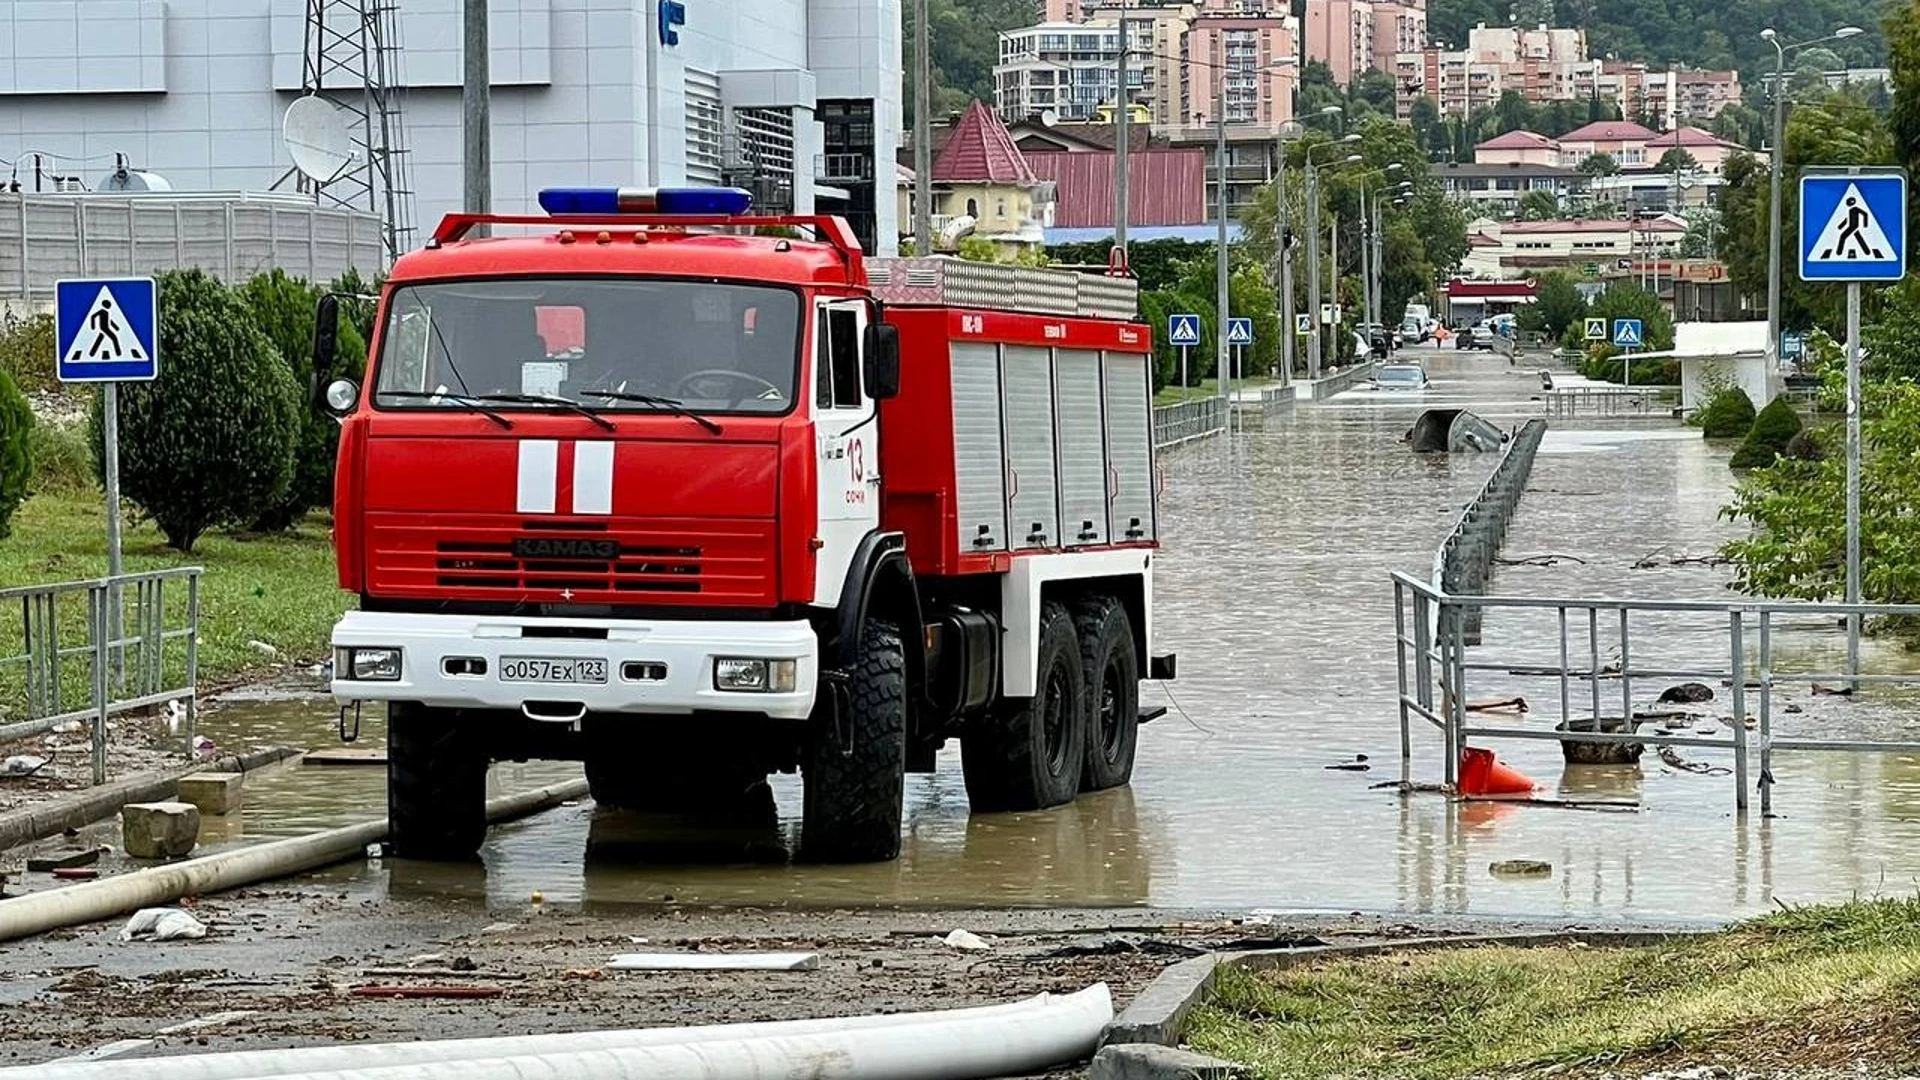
{"x":326,"y":329}
{"x":883,"y":361}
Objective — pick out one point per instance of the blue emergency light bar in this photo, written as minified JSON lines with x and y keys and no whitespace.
{"x":679,"y":202}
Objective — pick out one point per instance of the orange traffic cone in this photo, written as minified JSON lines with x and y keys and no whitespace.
{"x":1481,"y":774}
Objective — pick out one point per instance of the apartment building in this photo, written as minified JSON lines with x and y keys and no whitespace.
{"x":1067,"y":69}
{"x":1355,"y":36}
{"x":1244,"y":62}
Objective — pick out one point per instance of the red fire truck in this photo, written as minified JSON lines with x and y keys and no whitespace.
{"x":651,"y":489}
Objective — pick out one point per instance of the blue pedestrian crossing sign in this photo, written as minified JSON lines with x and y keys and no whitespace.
{"x":1183,"y":329}
{"x":1629,"y":333}
{"x":107,"y":329}
{"x":1239,"y":331}
{"x":1853,"y":226}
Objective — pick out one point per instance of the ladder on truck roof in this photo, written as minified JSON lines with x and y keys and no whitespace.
{"x":949,"y":282}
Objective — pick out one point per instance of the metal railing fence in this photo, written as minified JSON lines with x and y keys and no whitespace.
{"x":63,"y":662}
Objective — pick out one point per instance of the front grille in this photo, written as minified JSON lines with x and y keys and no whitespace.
{"x":727,"y":562}
{"x":635,"y":568}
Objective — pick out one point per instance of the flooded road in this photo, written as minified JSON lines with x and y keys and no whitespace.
{"x":1274,"y":590}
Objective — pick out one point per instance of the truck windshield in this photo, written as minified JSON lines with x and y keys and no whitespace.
{"x":610,"y":344}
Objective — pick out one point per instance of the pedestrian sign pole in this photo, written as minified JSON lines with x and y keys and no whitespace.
{"x":108,"y":332}
{"x":1239,"y":336}
{"x":1853,"y":228}
{"x":1628,"y":335}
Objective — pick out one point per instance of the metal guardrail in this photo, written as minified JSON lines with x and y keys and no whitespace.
{"x":1185,"y":421}
{"x":1436,"y":676}
{"x":1464,"y":560}
{"x":1601,"y":400}
{"x":65,"y":662}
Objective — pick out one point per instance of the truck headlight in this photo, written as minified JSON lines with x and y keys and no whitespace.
{"x":754,"y":676}
{"x":367,"y":664}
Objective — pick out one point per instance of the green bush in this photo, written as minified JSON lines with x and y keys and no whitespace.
{"x":62,"y":460}
{"x":1728,"y":416}
{"x":283,"y":308}
{"x":26,"y":351}
{"x":1772,"y":432}
{"x":16,"y":450}
{"x":210,"y":442}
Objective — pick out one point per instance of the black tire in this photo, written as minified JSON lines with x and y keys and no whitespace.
{"x":658,"y":774}
{"x":436,"y":784}
{"x":1028,"y":754}
{"x":851,"y":801}
{"x":1113,"y":692}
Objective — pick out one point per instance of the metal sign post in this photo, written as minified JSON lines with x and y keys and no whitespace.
{"x":107,"y":331}
{"x":1628,"y":335}
{"x":1853,"y":228}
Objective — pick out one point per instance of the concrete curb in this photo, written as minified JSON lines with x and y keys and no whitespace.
{"x":37,"y":822}
{"x":1158,"y":1014}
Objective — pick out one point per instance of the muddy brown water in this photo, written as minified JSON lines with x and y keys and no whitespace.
{"x":1274,"y":590}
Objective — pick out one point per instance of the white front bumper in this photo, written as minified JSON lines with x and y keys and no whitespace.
{"x":687,"y":649}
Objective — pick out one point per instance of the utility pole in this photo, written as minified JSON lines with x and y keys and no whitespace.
{"x":1283,"y":256}
{"x":1222,"y":310}
{"x":476,"y":90}
{"x":1122,"y":135}
{"x":922,"y":135}
{"x":1313,"y":268}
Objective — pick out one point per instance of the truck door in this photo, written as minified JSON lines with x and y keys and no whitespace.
{"x":847,"y":442}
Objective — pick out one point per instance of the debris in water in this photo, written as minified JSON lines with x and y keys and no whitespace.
{"x":1692,"y":693}
{"x":1358,"y":764}
{"x":427,"y":991}
{"x":162,"y":924}
{"x":500,"y":928}
{"x":1529,"y":868}
{"x":965,"y":940}
{"x":767,"y":961}
{"x":22,"y":765}
{"x":1832,"y":691}
{"x":1512,"y":704}
{"x":76,"y":873}
{"x":62,"y":860}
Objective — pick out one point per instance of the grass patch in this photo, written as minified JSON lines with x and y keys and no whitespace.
{"x":279,"y":589}
{"x":1204,"y":388}
{"x":1813,"y":987}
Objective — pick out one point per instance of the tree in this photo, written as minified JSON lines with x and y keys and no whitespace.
{"x":1903,"y":117}
{"x":283,"y":308}
{"x":1557,"y":304}
{"x":1703,"y":232}
{"x":1531,"y":13}
{"x":1678,"y":160}
{"x":1539,"y":206}
{"x":1597,"y":165}
{"x":210,"y":442}
{"x":16,"y":450}
{"x":1423,"y":116}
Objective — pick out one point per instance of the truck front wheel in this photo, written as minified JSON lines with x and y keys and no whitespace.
{"x":1113,"y":692}
{"x":1028,"y":754}
{"x":436,"y":784}
{"x":851,"y":794}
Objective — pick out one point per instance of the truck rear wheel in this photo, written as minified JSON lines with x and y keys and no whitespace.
{"x":851,"y":796}
{"x":1028,"y":754}
{"x":1113,"y":692}
{"x":436,"y":784}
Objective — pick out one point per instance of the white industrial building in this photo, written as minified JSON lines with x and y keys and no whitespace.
{"x":798,"y":99}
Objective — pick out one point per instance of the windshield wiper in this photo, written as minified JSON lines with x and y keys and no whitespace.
{"x":542,"y":399}
{"x":672,"y":405}
{"x":458,"y":399}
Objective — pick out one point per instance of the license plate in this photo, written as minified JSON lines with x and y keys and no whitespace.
{"x":540,"y":669}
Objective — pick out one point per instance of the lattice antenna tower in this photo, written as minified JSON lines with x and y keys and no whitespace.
{"x":352,"y":59}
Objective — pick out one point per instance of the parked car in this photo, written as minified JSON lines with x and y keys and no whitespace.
{"x":1415,"y":330}
{"x":1399,"y":377}
{"x":1474,"y":337}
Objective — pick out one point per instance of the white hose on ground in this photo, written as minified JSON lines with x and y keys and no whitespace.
{"x":260,"y":1064}
{"x":36,"y":913}
{"x":1014,"y":1043}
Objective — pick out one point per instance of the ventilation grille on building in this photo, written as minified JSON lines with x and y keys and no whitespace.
{"x":949,"y":282}
{"x":703,"y":127}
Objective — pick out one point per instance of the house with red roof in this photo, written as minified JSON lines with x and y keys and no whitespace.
{"x":984,"y":187}
{"x":1622,"y":140}
{"x":1709,"y":150}
{"x":1519,"y":148}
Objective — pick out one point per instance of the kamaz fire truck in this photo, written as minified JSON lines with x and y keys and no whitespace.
{"x":651,"y":489}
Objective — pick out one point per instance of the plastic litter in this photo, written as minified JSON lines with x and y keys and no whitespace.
{"x":767,"y":961}
{"x":965,"y":940}
{"x":162,"y":924}
{"x":22,"y":765}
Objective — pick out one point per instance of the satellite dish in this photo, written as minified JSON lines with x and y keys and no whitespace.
{"x":315,"y":134}
{"x":1049,"y":117}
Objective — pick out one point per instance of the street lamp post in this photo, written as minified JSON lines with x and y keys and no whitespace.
{"x":1313,"y":251}
{"x":1122,"y":135}
{"x":1779,"y":152}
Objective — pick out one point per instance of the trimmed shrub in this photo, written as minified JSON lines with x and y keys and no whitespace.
{"x":1728,"y":416}
{"x":1772,"y":432}
{"x":283,"y":308}
{"x":16,"y":450}
{"x":210,"y":442}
